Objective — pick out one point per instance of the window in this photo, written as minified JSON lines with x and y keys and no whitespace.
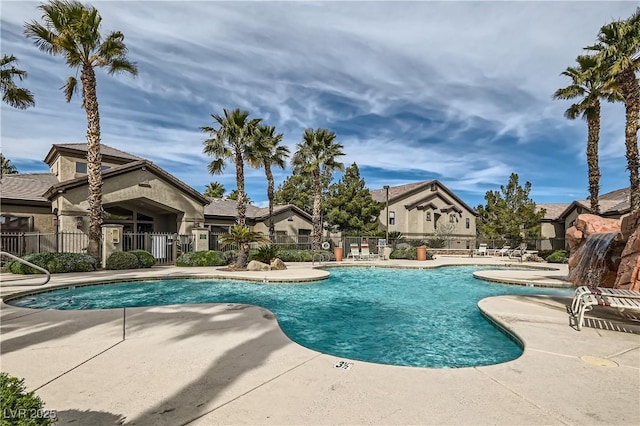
{"x":10,"y":223}
{"x":428,"y":216}
{"x":467,"y":223}
{"x":452,"y":218}
{"x":392,"y":218}
{"x":82,"y":167}
{"x":434,"y":187}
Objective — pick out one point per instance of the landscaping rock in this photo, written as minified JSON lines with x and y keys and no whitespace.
{"x":278,"y":265}
{"x":254,"y":265}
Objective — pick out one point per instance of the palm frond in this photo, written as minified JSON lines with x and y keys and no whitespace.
{"x":70,"y":88}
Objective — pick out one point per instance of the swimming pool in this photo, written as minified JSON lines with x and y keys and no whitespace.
{"x":425,"y":318}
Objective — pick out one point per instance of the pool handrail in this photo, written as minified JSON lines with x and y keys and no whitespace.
{"x":26,"y":262}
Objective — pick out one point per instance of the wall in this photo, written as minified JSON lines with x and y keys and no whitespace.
{"x":42,"y":216}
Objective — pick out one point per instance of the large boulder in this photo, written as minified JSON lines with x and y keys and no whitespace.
{"x":628,"y":276}
{"x":254,"y":265}
{"x":278,"y":265}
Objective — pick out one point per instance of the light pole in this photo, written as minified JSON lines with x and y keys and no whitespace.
{"x":386,"y":188}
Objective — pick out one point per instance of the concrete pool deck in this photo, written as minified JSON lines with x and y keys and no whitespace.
{"x":231,"y":364}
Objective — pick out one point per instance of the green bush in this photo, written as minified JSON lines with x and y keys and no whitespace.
{"x":266,"y":253}
{"x":55,"y":263}
{"x":122,"y":260}
{"x":202,"y":258}
{"x":410,"y":253}
{"x":305,"y":255}
{"x":435,"y":242}
{"x":558,"y":256}
{"x":19,"y":407}
{"x":145,"y":259}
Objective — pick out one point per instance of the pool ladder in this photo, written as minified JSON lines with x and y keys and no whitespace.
{"x":26,"y":262}
{"x":313,"y":258}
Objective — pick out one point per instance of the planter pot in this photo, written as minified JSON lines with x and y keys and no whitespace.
{"x":338,"y":252}
{"x":421,"y":253}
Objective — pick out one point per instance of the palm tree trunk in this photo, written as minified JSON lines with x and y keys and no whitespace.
{"x":593,"y":124}
{"x":94,"y":159}
{"x":317,"y":231}
{"x":241,"y":205}
{"x":631,"y":93}
{"x":243,"y":256}
{"x":272,"y":227}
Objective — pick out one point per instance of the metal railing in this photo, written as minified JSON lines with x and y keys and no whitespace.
{"x":26,"y":262}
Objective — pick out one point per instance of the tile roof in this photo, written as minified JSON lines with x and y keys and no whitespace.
{"x":622,"y":194}
{"x":228,"y":208}
{"x":397,"y":191}
{"x":105,"y":150}
{"x":553,"y":211}
{"x":27,"y":186}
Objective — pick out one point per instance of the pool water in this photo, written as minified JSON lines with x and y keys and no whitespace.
{"x":426,"y":318}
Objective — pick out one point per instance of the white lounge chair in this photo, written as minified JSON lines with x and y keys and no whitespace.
{"x":354,"y":251}
{"x":586,"y":298}
{"x":518,"y":251}
{"x":365,"y":254}
{"x":503,"y":251}
{"x":482,"y":250}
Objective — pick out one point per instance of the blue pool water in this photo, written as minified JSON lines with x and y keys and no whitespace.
{"x":425,"y":318}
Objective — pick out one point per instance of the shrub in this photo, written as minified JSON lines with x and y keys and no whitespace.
{"x":55,"y":263}
{"x":266,"y":253}
{"x":558,"y":256}
{"x":435,"y":242}
{"x":19,"y":407}
{"x":202,"y":258}
{"x":145,"y":259}
{"x":410,"y":253}
{"x":122,"y":260}
{"x":305,"y":255}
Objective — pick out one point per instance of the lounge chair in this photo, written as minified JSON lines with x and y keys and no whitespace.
{"x":518,"y":251}
{"x":364,"y":252}
{"x":482,"y":250}
{"x":354,"y":251}
{"x":578,"y":297}
{"x":587,"y":301}
{"x":503,"y":251}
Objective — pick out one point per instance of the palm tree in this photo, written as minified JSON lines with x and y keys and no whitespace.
{"x":12,"y":94}
{"x":72,"y":30}
{"x":242,"y":236}
{"x":7,"y":167}
{"x":264,"y":152}
{"x":317,"y":151}
{"x":618,"y":52}
{"x":231,"y":141}
{"x":588,"y":84}
{"x":214,"y":190}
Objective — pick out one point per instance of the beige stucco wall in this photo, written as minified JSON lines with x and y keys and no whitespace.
{"x":42,"y":218}
{"x":283,"y":224}
{"x":413,"y":222}
{"x":126,"y":188}
{"x":65,"y":167}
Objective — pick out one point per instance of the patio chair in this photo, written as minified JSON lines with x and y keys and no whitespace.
{"x":599,"y":291}
{"x":482,"y":250}
{"x":365,"y":253}
{"x":518,"y":251}
{"x":628,"y":306}
{"x":503,"y":251}
{"x":354,"y":251}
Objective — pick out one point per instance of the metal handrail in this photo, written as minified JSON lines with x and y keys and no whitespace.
{"x":26,"y":262}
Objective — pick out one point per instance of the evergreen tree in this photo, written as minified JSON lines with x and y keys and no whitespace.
{"x":509,"y":213}
{"x":350,"y":206}
{"x":297,"y":189}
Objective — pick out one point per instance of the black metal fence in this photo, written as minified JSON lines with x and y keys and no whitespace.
{"x":22,"y":243}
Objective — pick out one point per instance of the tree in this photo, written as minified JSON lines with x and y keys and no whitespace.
{"x":7,"y":167}
{"x":509,"y":213}
{"x":242,"y":236}
{"x":297,"y":189}
{"x":214,"y":190}
{"x":230,"y":142}
{"x":618,"y":52}
{"x":351,"y":208}
{"x":234,"y":194}
{"x":11,"y":94}
{"x":588,"y":84}
{"x":318,"y":152}
{"x":72,"y":30}
{"x":264,"y":152}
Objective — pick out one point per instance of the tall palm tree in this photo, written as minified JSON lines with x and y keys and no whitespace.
{"x":618,"y":51}
{"x":11,"y":94}
{"x":72,"y":29}
{"x":214,"y":190}
{"x":588,"y":84}
{"x":7,"y":167}
{"x":266,"y":151}
{"x":317,"y":151}
{"x":242,"y":236}
{"x":230,"y":142}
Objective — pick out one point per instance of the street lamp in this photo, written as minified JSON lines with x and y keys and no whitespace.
{"x":386,"y":188}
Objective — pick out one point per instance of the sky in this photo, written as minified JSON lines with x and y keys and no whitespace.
{"x":455,"y":91}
